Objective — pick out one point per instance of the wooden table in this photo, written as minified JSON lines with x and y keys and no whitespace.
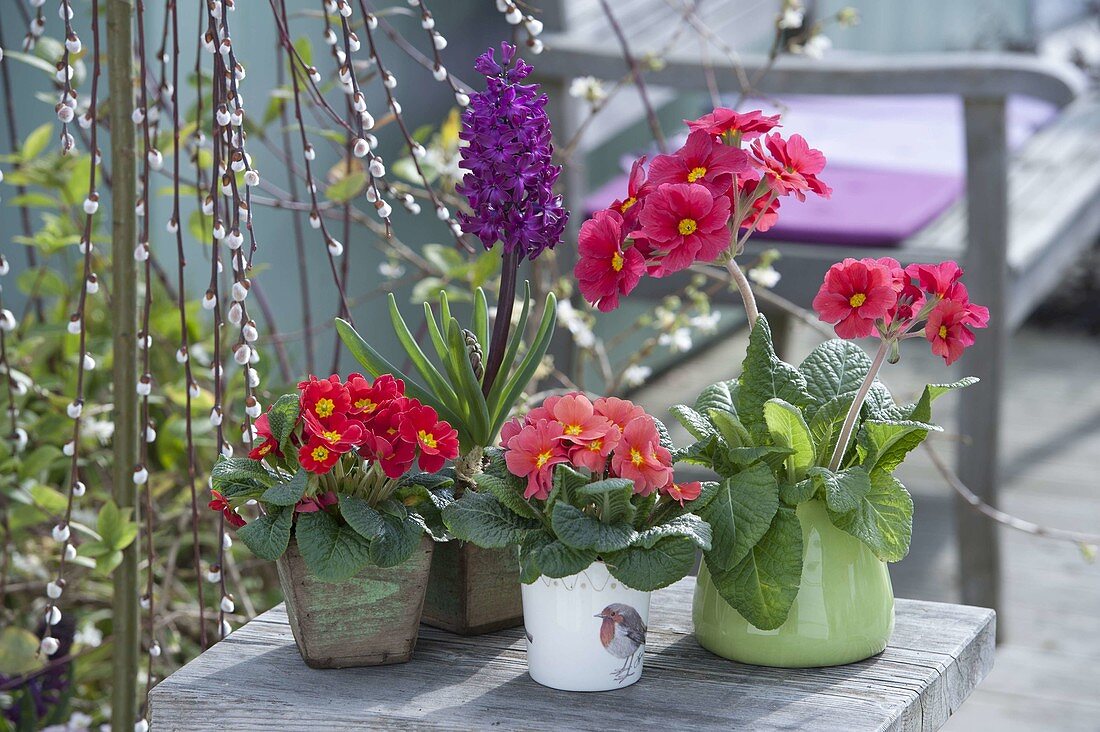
{"x":254,"y":679}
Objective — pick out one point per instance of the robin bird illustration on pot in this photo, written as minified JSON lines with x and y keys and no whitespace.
{"x":622,"y":633}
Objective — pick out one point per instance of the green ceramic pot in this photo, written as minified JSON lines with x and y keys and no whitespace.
{"x":844,"y":611}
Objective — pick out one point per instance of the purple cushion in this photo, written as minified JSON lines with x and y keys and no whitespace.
{"x":895,"y":164}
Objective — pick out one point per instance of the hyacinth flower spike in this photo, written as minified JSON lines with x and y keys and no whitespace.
{"x":509,"y":186}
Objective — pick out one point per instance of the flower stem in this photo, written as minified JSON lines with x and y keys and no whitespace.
{"x":503,"y":321}
{"x":857,"y":404}
{"x":745,"y":289}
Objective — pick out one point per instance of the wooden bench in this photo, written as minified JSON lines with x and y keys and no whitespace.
{"x":255,"y":680}
{"x":1024,"y":220}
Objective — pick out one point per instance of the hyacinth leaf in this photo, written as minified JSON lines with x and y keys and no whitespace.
{"x":288,"y":493}
{"x":397,"y":542}
{"x":922,"y":410}
{"x":764,"y":377}
{"x":647,"y":569}
{"x":692,"y":421}
{"x":721,"y":396}
{"x":834,"y":368}
{"x":417,"y":357}
{"x":481,"y":318}
{"x":462,"y":404}
{"x":376,"y":365}
{"x":361,"y":516}
{"x":789,"y":429}
{"x":577,"y":529}
{"x":740,"y":514}
{"x":882,"y":519}
{"x":469,"y":386}
{"x":333,"y":552}
{"x":826,"y":424}
{"x":887,"y":443}
{"x":512,"y":349}
{"x":482,"y":519}
{"x":611,"y":497}
{"x":763,"y":585}
{"x":267,"y":537}
{"x":530,"y":363}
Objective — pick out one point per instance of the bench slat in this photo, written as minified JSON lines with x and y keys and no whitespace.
{"x":255,"y":680}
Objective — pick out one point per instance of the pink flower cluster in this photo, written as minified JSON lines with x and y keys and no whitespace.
{"x":689,"y":205}
{"x":860,"y":297}
{"x":609,"y":437}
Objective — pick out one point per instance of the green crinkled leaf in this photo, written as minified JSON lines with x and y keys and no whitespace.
{"x":922,"y":410}
{"x":742,"y":457}
{"x":482,"y":519}
{"x":647,"y":569}
{"x":288,"y":493}
{"x":399,"y":539}
{"x":692,"y":421}
{"x":431,"y":481}
{"x":764,"y":584}
{"x":730,"y":428}
{"x":426,"y":507}
{"x":508,"y":489}
{"x":793,"y":494}
{"x":360,"y":516}
{"x":764,"y":377}
{"x":581,"y":531}
{"x":267,"y":537}
{"x":233,"y":469}
{"x":721,"y":397}
{"x":565,"y":485}
{"x":611,"y":497}
{"x":887,"y":443}
{"x":879,"y":404}
{"x":698,"y":453}
{"x":883,"y":520}
{"x":333,"y":551}
{"x":282,"y":416}
{"x":826,"y":425}
{"x":740,"y":513}
{"x":663,"y":437}
{"x":788,"y":429}
{"x":844,"y":489}
{"x":542,"y":554}
{"x":834,"y":368}
{"x":687,"y":525}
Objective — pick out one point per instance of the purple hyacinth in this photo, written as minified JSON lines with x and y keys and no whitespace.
{"x":510,"y":178}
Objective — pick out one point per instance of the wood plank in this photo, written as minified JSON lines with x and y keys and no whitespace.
{"x":255,"y":680}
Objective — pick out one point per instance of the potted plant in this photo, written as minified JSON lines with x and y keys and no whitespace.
{"x":477,"y":376}
{"x":808,"y":510}
{"x":586,"y":490}
{"x":347,"y":521}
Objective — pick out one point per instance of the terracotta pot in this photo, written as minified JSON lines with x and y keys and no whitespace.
{"x":473,"y":590}
{"x":369,"y":620}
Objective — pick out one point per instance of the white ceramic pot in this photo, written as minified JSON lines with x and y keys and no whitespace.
{"x":585,"y":632}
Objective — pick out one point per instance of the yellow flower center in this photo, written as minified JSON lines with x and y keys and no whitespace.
{"x":427,"y":438}
{"x":542,"y":459}
{"x":696,"y":174}
{"x":687,"y":226}
{"x":331,"y":436}
{"x":572,"y":430}
{"x":627,"y":204}
{"x":366,"y":405}
{"x":943,"y":331}
{"x":265,"y":448}
{"x":636,"y":457}
{"x":617,"y":261}
{"x":595,"y":445}
{"x":319,"y":454}
{"x":857,"y":299}
{"x":324,"y":407}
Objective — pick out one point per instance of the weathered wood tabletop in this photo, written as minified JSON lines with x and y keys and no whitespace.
{"x":254,"y":679}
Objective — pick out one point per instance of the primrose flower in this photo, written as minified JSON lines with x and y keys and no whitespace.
{"x":324,"y":397}
{"x":947,"y":328}
{"x":509,"y":180}
{"x":578,"y":419}
{"x":533,"y":453}
{"x":604,"y":269}
{"x":746,"y":125}
{"x":620,"y":412}
{"x":317,"y":455}
{"x":267,"y":445}
{"x":791,"y":165}
{"x":701,"y":160}
{"x":437,"y":440}
{"x":218,"y":503}
{"x":681,"y":492}
{"x":640,"y":457}
{"x":684,"y":222}
{"x":854,"y":295}
{"x":637,"y":188}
